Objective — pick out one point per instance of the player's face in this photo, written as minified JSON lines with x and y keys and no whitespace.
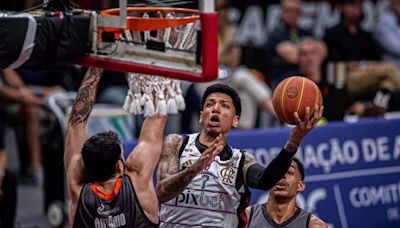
{"x":290,"y":184}
{"x":218,"y":114}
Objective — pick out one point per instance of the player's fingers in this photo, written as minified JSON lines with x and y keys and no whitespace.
{"x":317,"y":115}
{"x":307,"y":115}
{"x":321,"y":111}
{"x":219,"y":140}
{"x":214,"y":149}
{"x":316,"y":112}
{"x":217,"y":151}
{"x":297,"y":118}
{"x":211,"y":148}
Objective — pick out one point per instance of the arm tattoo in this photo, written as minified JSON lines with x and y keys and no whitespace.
{"x":171,"y":182}
{"x":86,"y":97}
{"x":172,"y":155}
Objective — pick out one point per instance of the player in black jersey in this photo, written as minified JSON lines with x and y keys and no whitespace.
{"x":104,"y":189}
{"x":281,"y":209}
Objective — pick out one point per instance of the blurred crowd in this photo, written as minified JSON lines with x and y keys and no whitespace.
{"x":356,"y":70}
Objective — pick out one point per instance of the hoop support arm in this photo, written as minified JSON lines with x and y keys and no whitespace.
{"x":209,"y":28}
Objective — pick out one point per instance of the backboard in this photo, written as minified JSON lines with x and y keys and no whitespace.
{"x":138,"y":39}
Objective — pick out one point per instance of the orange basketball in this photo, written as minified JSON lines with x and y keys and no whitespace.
{"x":294,"y":94}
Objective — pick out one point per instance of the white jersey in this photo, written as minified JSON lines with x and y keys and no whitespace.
{"x":211,"y":199}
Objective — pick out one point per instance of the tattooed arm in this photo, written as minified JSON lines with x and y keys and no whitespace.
{"x":170,"y":181}
{"x":77,"y":131}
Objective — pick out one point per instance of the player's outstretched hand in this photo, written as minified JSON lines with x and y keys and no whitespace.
{"x":306,"y":125}
{"x":207,"y":157}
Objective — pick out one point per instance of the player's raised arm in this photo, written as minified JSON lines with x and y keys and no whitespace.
{"x":77,"y":131}
{"x":142,"y":161}
{"x":257,"y":176}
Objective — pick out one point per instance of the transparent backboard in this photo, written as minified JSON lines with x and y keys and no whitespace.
{"x":167,"y":41}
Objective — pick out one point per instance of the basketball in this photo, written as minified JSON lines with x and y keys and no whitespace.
{"x":294,"y":94}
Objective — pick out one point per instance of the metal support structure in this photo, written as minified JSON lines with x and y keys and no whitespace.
{"x":122,"y":13}
{"x":115,"y":21}
{"x":207,"y":6}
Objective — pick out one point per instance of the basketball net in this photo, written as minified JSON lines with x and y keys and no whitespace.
{"x":151,"y":95}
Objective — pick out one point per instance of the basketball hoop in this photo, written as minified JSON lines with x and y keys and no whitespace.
{"x":149,"y":42}
{"x":113,"y":49}
{"x":140,"y":23}
{"x":154,"y":95}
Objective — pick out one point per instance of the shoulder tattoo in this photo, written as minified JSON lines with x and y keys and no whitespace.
{"x":170,"y":154}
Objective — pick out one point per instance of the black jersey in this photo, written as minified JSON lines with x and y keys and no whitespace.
{"x":259,"y":218}
{"x":118,"y":209}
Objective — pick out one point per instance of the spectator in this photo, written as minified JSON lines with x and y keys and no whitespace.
{"x":281,"y":209}
{"x":226,"y":32}
{"x":312,"y":54}
{"x":8,"y":187}
{"x":367,"y":77}
{"x":337,"y":100}
{"x":281,"y":49}
{"x":353,"y":39}
{"x":24,"y":102}
{"x":387,"y":33}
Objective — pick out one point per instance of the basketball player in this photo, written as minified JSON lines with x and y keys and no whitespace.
{"x":281,"y":209}
{"x":196,"y":188}
{"x":104,"y":189}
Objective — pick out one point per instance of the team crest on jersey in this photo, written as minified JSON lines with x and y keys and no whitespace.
{"x":227,"y":175}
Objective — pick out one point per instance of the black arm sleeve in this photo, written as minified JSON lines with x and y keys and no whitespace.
{"x":259,"y":177}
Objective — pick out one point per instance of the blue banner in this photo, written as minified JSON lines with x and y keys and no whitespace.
{"x":352,"y":170}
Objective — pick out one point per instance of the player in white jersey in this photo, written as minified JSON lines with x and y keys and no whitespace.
{"x":201,"y":186}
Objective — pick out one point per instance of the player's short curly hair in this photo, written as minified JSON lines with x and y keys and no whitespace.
{"x":100,"y":153}
{"x":225,"y":89}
